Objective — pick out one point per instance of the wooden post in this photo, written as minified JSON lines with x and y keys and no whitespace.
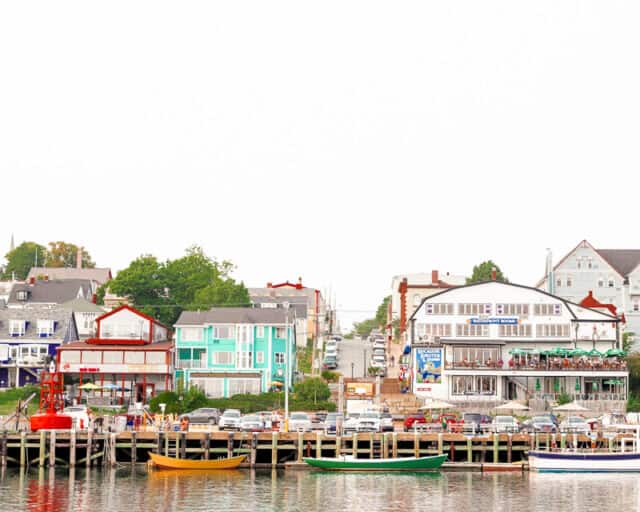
{"x":159,"y":442}
{"x":385,"y":445}
{"x":112,"y":447}
{"x":416,"y":444}
{"x":563,"y":441}
{"x":89,"y":447}
{"x":207,"y":445}
{"x":496,"y":448}
{"x":509,"y":446}
{"x":230,"y":445}
{"x":254,"y":449}
{"x":338,"y":446}
{"x":72,"y":448}
{"x":183,"y":445}
{"x":354,"y":445}
{"x":43,"y":448}
{"x":3,"y":450}
{"x":52,"y":449}
{"x":371,"y":445}
{"x":318,"y":444}
{"x":274,"y":449}
{"x":300,"y":445}
{"x":394,"y":445}
{"x":134,"y":448}
{"x":469,"y":450}
{"x":440,"y":444}
{"x":23,"y":449}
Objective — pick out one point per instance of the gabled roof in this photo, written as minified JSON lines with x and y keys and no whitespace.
{"x":51,"y":292}
{"x":235,"y":316}
{"x":99,"y":275}
{"x":134,"y":311}
{"x":571,"y":306}
{"x":65,"y":329}
{"x":82,"y":306}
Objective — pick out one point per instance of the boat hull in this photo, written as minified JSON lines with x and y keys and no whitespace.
{"x":162,"y":462}
{"x":402,"y":464}
{"x":576,"y":462}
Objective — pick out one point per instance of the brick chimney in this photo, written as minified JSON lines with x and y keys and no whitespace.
{"x":434,"y":277}
{"x":269,"y":285}
{"x":404,"y":286}
{"x":79,"y":258}
{"x":494,"y":274}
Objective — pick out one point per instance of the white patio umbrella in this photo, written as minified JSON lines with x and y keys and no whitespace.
{"x":570,"y":407}
{"x":431,"y":405}
{"x":512,"y":406}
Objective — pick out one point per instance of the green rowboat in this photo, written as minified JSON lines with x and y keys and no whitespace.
{"x":403,"y":464}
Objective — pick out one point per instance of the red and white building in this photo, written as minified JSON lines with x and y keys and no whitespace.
{"x":131,"y":356}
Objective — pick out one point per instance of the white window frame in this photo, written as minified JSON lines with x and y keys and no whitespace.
{"x":228,"y":359}
{"x":17,"y":327}
{"x":281,"y":333}
{"x":45,"y":328}
{"x":278,"y":357}
{"x":260,"y":331}
{"x":260,"y":357}
{"x":216,"y":330}
{"x":191,"y":334}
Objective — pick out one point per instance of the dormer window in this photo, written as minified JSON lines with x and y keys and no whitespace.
{"x":16,"y":327}
{"x":22,"y":295}
{"x":45,"y":328}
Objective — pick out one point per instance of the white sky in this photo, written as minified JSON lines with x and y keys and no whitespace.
{"x":343,"y":142}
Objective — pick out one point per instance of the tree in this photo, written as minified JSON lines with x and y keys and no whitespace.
{"x":62,"y":254}
{"x":22,"y":258}
{"x":483,"y":272}
{"x":365,"y":327}
{"x":314,"y":388}
{"x":223,"y":292}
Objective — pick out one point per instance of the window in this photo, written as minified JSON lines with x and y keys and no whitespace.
{"x":590,"y":263}
{"x":242,"y":386}
{"x":636,"y":306}
{"x":600,"y":282}
{"x":245,"y":334}
{"x":465,"y":356}
{"x":245,"y":360}
{"x":512,"y":309}
{"x":260,"y":357}
{"x":552,"y":330}
{"x":191,"y":333}
{"x":433,"y":329}
{"x":610,"y":283}
{"x":569,"y":281}
{"x":473,"y":385}
{"x":222,"y":358}
{"x":474,"y":309}
{"x":66,"y":356}
{"x":507,"y":331}
{"x":280,"y":333}
{"x":88,"y":321}
{"x":112,"y":357}
{"x":558,"y":283}
{"x":92,"y":356}
{"x":136,"y":357}
{"x":45,"y":328}
{"x":16,"y":327}
{"x":547,"y":309}
{"x":222,"y":332}
{"x":260,"y":331}
{"x":439,"y":309}
{"x":465,"y":330}
{"x":278,"y":357}
{"x":156,"y":357}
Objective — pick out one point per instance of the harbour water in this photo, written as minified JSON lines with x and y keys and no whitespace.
{"x":136,"y":490}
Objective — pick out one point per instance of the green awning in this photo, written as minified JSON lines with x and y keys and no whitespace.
{"x":538,"y":384}
{"x":576,"y":352}
{"x":613,"y":382}
{"x":577,"y":388}
{"x":615,"y":352}
{"x":594,"y":353}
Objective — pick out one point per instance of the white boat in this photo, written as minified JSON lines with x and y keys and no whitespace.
{"x":590,"y":461}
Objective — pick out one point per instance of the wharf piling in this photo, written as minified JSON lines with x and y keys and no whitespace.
{"x":278,"y":449}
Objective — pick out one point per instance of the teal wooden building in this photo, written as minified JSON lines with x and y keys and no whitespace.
{"x":227,"y":351}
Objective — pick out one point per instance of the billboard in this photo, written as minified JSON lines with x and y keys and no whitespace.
{"x":428,"y":368}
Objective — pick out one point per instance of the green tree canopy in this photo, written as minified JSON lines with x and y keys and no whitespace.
{"x":482,"y":272}
{"x":62,"y":254}
{"x":365,"y":327}
{"x":165,"y":289}
{"x":22,"y":258}
{"x":313,"y":389}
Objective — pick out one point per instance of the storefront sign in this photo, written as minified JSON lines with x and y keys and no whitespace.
{"x":497,"y":321}
{"x":428,"y":368}
{"x":360,"y":388}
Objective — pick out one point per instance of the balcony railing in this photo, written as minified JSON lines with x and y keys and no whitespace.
{"x":190,"y":363}
{"x":563,"y":365}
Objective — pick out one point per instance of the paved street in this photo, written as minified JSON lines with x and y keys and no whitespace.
{"x":352,"y":351}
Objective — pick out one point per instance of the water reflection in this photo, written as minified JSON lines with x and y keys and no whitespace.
{"x":130,"y":490}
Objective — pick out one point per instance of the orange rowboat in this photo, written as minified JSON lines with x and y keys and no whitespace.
{"x":162,"y":462}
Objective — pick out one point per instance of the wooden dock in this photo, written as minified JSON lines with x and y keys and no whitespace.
{"x":277,"y":449}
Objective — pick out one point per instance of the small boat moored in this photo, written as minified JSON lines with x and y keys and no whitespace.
{"x":162,"y":462}
{"x":348,"y":463}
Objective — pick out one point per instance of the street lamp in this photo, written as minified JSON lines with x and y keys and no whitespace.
{"x":352,"y":367}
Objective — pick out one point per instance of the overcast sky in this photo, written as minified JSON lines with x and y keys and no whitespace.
{"x":340,"y":141}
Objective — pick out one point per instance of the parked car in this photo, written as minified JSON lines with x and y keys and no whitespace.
{"x":575,"y":425}
{"x":540,"y":424}
{"x":251,"y":423}
{"x":378,"y":362}
{"x":330,"y":363}
{"x":79,"y":415}
{"x":474,"y":423}
{"x":350,"y":423}
{"x":386,"y":422}
{"x":230,"y":419}
{"x":379,"y":343}
{"x":411,"y":420}
{"x":332,"y":344}
{"x":502,"y":424}
{"x":204,"y":415}
{"x":331,"y":351}
{"x":299,"y":422}
{"x":379,"y":352}
{"x":369,"y":421}
{"x":333,"y":423}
